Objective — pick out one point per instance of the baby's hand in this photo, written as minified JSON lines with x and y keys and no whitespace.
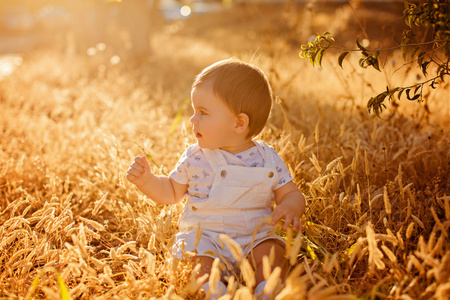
{"x":139,"y":172}
{"x":290,"y":206}
{"x":284,"y":211}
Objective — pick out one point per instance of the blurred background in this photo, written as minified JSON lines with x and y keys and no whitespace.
{"x":86,"y":85}
{"x":126,"y":27}
{"x":128,"y":23}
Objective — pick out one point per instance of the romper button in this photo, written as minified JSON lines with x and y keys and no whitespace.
{"x":223,"y":173}
{"x":270,"y":174}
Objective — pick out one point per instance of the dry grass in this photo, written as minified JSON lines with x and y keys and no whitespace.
{"x":378,"y":190}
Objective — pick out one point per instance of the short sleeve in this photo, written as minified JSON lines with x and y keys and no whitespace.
{"x":283,"y":173}
{"x":179,"y":173}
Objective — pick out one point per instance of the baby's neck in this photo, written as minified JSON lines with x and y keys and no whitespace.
{"x":240,"y":147}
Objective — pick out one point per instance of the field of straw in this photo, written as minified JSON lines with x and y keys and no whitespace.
{"x":377,"y":188}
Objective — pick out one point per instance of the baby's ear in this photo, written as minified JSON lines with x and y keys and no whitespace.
{"x":242,"y":123}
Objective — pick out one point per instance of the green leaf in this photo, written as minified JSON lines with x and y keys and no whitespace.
{"x":326,"y":45}
{"x":348,"y":253}
{"x":361,"y":63}
{"x":33,"y":287}
{"x":327,"y":35}
{"x":408,"y":21}
{"x":376,"y":64}
{"x":63,"y":291}
{"x":406,"y":4}
{"x":312,"y":59}
{"x":320,"y":57}
{"x":62,"y":288}
{"x":407,"y":94}
{"x":360,"y":46}
{"x":382,"y":96}
{"x":404,"y":51}
{"x":405,"y":47}
{"x":392,"y":92}
{"x":341,"y":58}
{"x":149,"y":157}
{"x":416,"y":89}
{"x":421,"y":57}
{"x":415,"y":97}
{"x":311,"y":252}
{"x":143,"y":150}
{"x":179,"y":114}
{"x":413,"y":52}
{"x":424,"y":68}
{"x":370,"y":103}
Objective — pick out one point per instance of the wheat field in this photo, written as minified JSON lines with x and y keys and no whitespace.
{"x":377,"y":188}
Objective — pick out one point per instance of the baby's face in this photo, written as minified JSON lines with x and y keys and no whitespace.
{"x":213,"y":122}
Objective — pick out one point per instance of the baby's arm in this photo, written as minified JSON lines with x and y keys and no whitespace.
{"x":290,"y":206}
{"x":161,"y":189}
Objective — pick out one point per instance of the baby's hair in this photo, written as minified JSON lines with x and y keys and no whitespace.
{"x":243,"y":87}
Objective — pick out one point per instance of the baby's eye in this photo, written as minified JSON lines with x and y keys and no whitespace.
{"x":203,"y":112}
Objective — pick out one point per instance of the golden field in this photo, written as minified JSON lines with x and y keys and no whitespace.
{"x":377,"y":188}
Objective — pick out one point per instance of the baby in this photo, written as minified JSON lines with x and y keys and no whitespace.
{"x":229,"y":179}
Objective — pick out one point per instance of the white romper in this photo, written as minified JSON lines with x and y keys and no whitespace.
{"x":240,"y":197}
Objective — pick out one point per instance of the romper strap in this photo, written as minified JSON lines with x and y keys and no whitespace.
{"x":266,"y":152}
{"x":215,"y":158}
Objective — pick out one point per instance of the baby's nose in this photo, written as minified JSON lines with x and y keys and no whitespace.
{"x":193,"y":119}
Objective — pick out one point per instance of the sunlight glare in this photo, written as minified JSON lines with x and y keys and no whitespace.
{"x":8,"y":64}
{"x":91,"y":51}
{"x":185,"y":11}
{"x":115,"y":60}
{"x":365,"y":43}
{"x":101,"y":46}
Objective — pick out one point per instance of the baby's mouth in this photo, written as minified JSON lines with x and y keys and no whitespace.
{"x":197,"y":134}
